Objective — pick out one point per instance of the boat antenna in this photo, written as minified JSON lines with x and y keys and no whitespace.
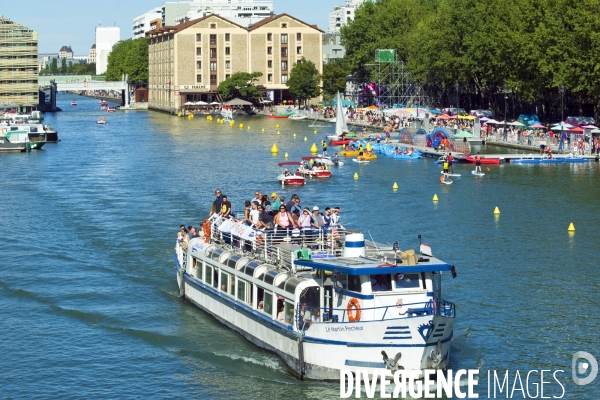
{"x":419,"y":236}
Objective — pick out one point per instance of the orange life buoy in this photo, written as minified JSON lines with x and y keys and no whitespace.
{"x":353,"y":316}
{"x":206,"y":230}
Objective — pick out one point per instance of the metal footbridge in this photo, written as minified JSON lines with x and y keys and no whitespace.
{"x":121,"y":86}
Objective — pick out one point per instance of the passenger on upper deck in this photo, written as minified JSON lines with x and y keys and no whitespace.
{"x":275,"y":203}
{"x":335,"y":219}
{"x":254,"y":213}
{"x":257,"y":197}
{"x":284,"y":219}
{"x":305,"y":220}
{"x":266,"y":203}
{"x":225,"y":208}
{"x":247,"y":207}
{"x":290,"y":203}
{"x":192,"y":232}
{"x":181,"y":232}
{"x":216,"y":207}
{"x":327,"y":218}
{"x":380,"y":285}
{"x":265,"y":219}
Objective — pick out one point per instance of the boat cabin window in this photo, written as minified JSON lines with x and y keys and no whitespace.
{"x":250,"y":267}
{"x":231,"y":261}
{"x":215,"y":278}
{"x":216,"y":254}
{"x":354,"y":283}
{"x":407,"y":281}
{"x":290,"y":285}
{"x":289,"y":312}
{"x":225,"y":282}
{"x":208,"y":274}
{"x":268,"y":303}
{"x":243,"y":293}
{"x":381,"y":282}
{"x":269,"y":276}
{"x":342,"y":280}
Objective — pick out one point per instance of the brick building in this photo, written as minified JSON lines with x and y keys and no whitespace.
{"x":188,"y":61}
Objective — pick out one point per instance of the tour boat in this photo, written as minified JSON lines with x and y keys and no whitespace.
{"x":323,"y":300}
{"x":297,"y":117}
{"x":36,"y":132}
{"x":483,"y":160}
{"x":326,"y":160}
{"x":73,"y":103}
{"x":287,"y":177}
{"x":317,"y":171}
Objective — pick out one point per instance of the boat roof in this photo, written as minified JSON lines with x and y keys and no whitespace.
{"x":371,"y":266}
{"x":281,"y":164}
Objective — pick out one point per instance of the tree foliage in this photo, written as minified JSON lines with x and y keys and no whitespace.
{"x":531,"y":47}
{"x":334,"y":79}
{"x":240,"y":84}
{"x":128,"y":57}
{"x":304,"y":80}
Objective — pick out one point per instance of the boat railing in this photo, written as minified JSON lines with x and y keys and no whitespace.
{"x":279,"y":246}
{"x":305,"y":315}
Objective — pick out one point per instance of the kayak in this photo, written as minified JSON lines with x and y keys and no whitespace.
{"x":483,"y":160}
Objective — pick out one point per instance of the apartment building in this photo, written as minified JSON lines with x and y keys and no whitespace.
{"x":141,"y":23}
{"x":241,"y":12}
{"x":18,"y":65}
{"x":188,"y":61}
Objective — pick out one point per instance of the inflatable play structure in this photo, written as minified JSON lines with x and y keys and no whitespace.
{"x":434,"y":140}
{"x":406,"y":135}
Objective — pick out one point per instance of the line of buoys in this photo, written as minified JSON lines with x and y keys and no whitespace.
{"x":286,"y":155}
{"x":315,"y":132}
{"x":305,"y":139}
{"x":314,"y":149}
{"x":356,"y":175}
{"x":435,"y":198}
{"x":179,"y":115}
{"x":263,"y":129}
{"x":571,"y":227}
{"x":294,"y":134}
{"x":274,"y":149}
{"x":191,"y":116}
{"x":395,"y":187}
{"x":277,"y":126}
{"x":496,"y":211}
{"x":241,"y":126}
{"x":209,"y":118}
{"x":248,"y":127}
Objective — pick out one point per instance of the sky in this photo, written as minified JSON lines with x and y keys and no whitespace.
{"x":73,"y":22}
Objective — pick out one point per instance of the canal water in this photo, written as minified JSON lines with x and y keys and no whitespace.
{"x":88,"y":294}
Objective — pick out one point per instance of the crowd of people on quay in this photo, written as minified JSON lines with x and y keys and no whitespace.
{"x":270,"y":213}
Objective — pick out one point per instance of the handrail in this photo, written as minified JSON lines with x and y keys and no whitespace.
{"x":306,"y":315}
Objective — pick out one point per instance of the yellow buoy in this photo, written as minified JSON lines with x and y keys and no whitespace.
{"x":248,"y":126}
{"x":274,"y":149}
{"x":356,"y":175}
{"x":314,"y":149}
{"x":286,"y":155}
{"x":435,"y":198}
{"x":571,"y":227}
{"x":279,"y":133}
{"x":496,"y":210}
{"x":277,"y":126}
{"x":179,"y":115}
{"x":305,"y":139}
{"x":315,"y":132}
{"x":294,"y":134}
{"x":263,"y":129}
{"x":395,"y":187}
{"x":241,"y":125}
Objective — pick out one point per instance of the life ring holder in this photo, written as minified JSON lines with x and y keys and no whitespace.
{"x":353,"y":310}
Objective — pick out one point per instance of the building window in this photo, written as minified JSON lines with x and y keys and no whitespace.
{"x":227,"y":76}
{"x":198,"y":37}
{"x":284,"y":52}
{"x":213,"y":79}
{"x":213,"y":26}
{"x":198,"y":64}
{"x":269,"y":37}
{"x":269,"y":50}
{"x":298,"y":36}
{"x":198,"y":51}
{"x":299,"y":50}
{"x":284,"y":65}
{"x":284,"y":38}
{"x":284,"y":25}
{"x":213,"y":65}
{"x":227,"y":37}
{"x":213,"y":53}
{"x":270,"y":77}
{"x":270,"y":64}
{"x":227,"y":51}
{"x":284,"y":78}
{"x":227,"y":64}
{"x":213,"y":40}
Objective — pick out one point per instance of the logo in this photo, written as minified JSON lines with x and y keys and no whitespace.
{"x":581,"y":368}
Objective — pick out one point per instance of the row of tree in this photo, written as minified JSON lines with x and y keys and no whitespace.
{"x":129,"y":57}
{"x":68,"y":68}
{"x":530,"y":50}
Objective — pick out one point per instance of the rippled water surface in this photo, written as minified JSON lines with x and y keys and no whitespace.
{"x":87,"y":285}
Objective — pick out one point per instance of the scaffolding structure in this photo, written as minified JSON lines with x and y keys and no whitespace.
{"x":395,"y":85}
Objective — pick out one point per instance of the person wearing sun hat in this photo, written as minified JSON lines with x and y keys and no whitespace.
{"x":275,"y":203}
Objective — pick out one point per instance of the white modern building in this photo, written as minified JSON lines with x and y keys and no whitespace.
{"x":241,"y":12}
{"x":172,"y":9}
{"x":342,"y":14}
{"x":106,"y":38}
{"x":141,"y":23}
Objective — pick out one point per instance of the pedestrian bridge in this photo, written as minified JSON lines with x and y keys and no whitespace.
{"x":95,"y":85}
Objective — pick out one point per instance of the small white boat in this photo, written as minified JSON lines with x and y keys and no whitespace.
{"x":290,"y":178}
{"x":327,"y":160}
{"x":73,"y":103}
{"x":111,"y":109}
{"x":297,"y":117}
{"x":101,"y":121}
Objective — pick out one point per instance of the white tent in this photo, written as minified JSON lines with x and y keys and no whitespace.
{"x":200,"y":103}
{"x":189,"y":103}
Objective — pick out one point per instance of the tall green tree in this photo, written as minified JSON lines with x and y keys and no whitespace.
{"x":63,"y":66}
{"x":240,"y":84}
{"x":304,"y":81}
{"x":128,"y":57}
{"x":54,"y":66}
{"x":334,"y":79}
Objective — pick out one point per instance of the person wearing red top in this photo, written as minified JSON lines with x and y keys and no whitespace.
{"x":450,"y":159}
{"x":478,"y":163}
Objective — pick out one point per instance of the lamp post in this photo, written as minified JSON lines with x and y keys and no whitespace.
{"x":504,"y":133}
{"x":561,"y":90}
